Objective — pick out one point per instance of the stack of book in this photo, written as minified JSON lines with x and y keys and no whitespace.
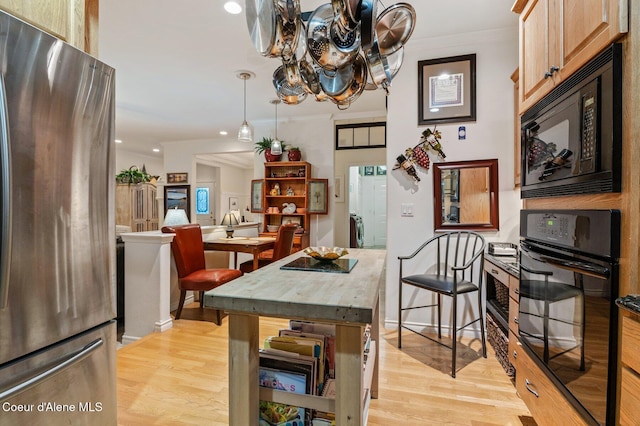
{"x":301,"y":359}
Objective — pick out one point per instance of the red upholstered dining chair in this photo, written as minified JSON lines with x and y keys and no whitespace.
{"x":281,"y":248}
{"x":188,"y":252}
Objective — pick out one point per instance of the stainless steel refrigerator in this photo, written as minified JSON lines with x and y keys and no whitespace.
{"x":57,"y":241}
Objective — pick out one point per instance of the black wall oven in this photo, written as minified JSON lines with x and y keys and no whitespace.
{"x":567,"y":318}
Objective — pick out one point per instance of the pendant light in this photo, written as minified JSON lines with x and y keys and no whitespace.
{"x":276,"y":145}
{"x":245,"y":134}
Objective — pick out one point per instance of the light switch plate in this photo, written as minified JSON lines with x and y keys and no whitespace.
{"x":406,"y":210}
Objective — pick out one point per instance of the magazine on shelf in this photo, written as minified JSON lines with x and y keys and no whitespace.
{"x":272,"y":413}
{"x":327,"y":330}
{"x":319,"y":341}
{"x":292,"y":362}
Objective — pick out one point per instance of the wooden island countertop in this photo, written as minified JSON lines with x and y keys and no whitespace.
{"x":349,"y":300}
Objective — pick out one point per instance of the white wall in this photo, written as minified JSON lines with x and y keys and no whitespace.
{"x":491,"y":136}
{"x":125,"y":159}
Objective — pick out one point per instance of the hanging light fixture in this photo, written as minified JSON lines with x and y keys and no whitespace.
{"x":245,"y":134}
{"x":276,"y":145}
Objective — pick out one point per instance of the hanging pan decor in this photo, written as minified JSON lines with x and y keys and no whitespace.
{"x":343,"y":48}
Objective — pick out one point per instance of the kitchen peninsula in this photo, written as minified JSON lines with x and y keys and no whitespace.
{"x":150,"y":276}
{"x":348,"y":300}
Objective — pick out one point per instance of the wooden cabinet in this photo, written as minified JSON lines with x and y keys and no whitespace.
{"x":286,"y":183}
{"x":559,"y":36}
{"x":137,"y":207}
{"x":74,"y":21}
{"x":543,"y":399}
{"x":630,"y":372}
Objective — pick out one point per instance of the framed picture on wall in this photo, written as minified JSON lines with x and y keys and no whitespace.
{"x":177,"y":177}
{"x":318,"y":202}
{"x":256,"y":196}
{"x":447,"y":90}
{"x":177,"y":196}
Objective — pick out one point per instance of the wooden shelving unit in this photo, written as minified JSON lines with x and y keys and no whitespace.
{"x":287,"y":182}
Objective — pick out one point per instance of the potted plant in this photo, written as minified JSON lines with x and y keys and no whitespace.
{"x":294,"y":154}
{"x":264,"y":145}
{"x":133,"y":176}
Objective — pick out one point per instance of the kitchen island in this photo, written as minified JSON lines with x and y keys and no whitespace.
{"x":348,"y":300}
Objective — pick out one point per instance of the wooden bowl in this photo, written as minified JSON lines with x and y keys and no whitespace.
{"x":301,"y":210}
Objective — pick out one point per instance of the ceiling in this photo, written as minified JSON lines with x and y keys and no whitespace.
{"x":176,"y":65}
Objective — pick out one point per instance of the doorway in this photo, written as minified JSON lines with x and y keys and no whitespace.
{"x":368,"y":204}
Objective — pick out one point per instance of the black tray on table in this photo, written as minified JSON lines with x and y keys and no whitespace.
{"x":341,"y":266}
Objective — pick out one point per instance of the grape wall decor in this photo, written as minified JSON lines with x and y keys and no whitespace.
{"x":419,"y":154}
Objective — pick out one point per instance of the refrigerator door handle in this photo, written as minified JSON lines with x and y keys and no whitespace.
{"x":5,"y":198}
{"x":68,"y":361}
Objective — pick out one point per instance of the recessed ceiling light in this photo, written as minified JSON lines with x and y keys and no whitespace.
{"x":224,"y":132}
{"x":232,"y":7}
{"x":156,"y":149}
{"x":118,"y":140}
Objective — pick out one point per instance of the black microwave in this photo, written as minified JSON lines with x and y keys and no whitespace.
{"x":572,"y":138}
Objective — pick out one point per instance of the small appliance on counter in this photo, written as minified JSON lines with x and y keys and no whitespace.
{"x":502,"y":249}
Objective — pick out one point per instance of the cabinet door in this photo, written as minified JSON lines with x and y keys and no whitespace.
{"x":537,"y":49}
{"x":544,"y":400}
{"x":74,"y":21}
{"x":588,"y":26}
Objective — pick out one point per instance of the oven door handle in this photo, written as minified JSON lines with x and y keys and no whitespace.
{"x":585,"y":268}
{"x":533,"y":271}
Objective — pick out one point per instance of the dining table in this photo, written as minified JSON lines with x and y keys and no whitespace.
{"x":251,"y":245}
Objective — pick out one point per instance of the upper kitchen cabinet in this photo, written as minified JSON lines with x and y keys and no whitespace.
{"x":74,"y":21}
{"x":559,"y":36}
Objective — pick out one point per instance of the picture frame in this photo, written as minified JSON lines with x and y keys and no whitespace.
{"x":177,"y":196}
{"x":233,"y":203}
{"x":177,"y":177}
{"x":257,"y":186}
{"x":381,"y":170}
{"x":317,"y":193}
{"x":447,"y":90}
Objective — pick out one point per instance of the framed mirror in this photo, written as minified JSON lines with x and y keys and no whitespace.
{"x":466,"y":195}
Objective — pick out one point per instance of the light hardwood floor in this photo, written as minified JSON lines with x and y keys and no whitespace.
{"x":180,"y":377}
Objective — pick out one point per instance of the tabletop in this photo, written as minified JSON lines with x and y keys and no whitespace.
{"x":310,"y":295}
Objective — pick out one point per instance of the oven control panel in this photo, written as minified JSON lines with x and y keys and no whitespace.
{"x":589,"y":231}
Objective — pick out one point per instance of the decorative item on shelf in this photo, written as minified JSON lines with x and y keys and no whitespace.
{"x":294,"y":153}
{"x":331,"y":54}
{"x":290,"y":192}
{"x":275,"y":190}
{"x":419,"y":154}
{"x":229,"y":220}
{"x":288,"y":208}
{"x":301,"y":172}
{"x":301,"y":210}
{"x":176,"y":216}
{"x":133,"y":176}
{"x":273,"y":228}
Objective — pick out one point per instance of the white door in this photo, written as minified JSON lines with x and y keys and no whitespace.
{"x":380,"y":212}
{"x":204,"y":203}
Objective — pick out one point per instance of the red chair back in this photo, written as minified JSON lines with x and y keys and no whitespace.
{"x":187,"y":248}
{"x":284,"y":241}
